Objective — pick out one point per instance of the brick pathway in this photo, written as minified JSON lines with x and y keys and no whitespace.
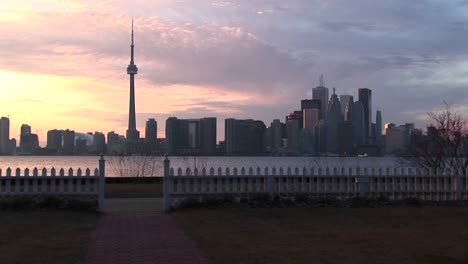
{"x":141,"y":237}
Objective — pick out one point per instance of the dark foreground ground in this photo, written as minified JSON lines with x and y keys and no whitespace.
{"x":331,"y":235}
{"x":45,"y":236}
{"x":252,"y":235}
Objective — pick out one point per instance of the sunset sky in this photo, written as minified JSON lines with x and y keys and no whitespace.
{"x":63,"y":62}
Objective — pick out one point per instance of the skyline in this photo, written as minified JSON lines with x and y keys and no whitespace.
{"x":65,"y":67}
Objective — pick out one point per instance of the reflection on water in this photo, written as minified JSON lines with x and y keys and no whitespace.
{"x":153,"y":166}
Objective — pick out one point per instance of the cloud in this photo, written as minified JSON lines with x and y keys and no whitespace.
{"x":244,"y":59}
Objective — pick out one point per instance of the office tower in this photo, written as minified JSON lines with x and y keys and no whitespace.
{"x":28,"y":142}
{"x":348,"y":109}
{"x":359,"y":124}
{"x":151,"y":130}
{"x":4,"y":135}
{"x":344,"y":101}
{"x":208,"y":135}
{"x":177,"y":135}
{"x":378,"y":128}
{"x":311,"y":104}
{"x":54,"y":140}
{"x":334,"y":119}
{"x":320,"y":138}
{"x":244,"y":137}
{"x":80,"y":146}
{"x":306,"y":142}
{"x":365,"y":97}
{"x":115,"y":143}
{"x":396,"y":139}
{"x":321,"y":93}
{"x":274,"y":136}
{"x":68,"y":142}
{"x":25,"y":129}
{"x":310,"y":114}
{"x":99,"y":142}
{"x":133,"y":135}
{"x":346,"y":138}
{"x":292,"y":133}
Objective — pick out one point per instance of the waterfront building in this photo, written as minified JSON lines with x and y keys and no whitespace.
{"x":5,"y":135}
{"x":151,"y":130}
{"x":365,"y":97}
{"x":29,"y":142}
{"x":208,"y":135}
{"x":292,"y":133}
{"x":358,"y":119}
{"x":320,"y":138}
{"x":274,"y":136}
{"x":99,"y":143}
{"x":54,"y":140}
{"x":244,"y":137}
{"x":115,"y":143}
{"x":68,"y":147}
{"x":191,"y":136}
{"x":334,"y":119}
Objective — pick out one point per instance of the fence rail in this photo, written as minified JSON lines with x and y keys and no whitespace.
{"x":54,"y":182}
{"x":394,"y":183}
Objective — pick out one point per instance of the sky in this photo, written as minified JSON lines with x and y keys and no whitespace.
{"x":63,"y":62}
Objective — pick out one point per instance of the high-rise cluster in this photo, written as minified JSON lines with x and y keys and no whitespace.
{"x":328,"y":125}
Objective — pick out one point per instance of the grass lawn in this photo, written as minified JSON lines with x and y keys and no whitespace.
{"x":133,"y":190}
{"x":329,"y":235}
{"x":45,"y":236}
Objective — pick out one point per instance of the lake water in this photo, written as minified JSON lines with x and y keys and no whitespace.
{"x":153,"y":166}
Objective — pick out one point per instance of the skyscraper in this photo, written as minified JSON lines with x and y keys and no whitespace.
{"x":151,"y":130}
{"x":365,"y":97}
{"x":344,"y":101}
{"x":334,"y":120}
{"x":208,"y":135}
{"x":4,"y":135}
{"x":132,"y":133}
{"x":321,"y":93}
{"x":378,"y":128}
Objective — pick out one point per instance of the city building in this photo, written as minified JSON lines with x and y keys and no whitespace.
{"x":191,"y":136}
{"x":99,"y":143}
{"x":321,"y":93}
{"x":378,"y":128}
{"x":5,"y":144}
{"x":310,"y":114}
{"x":334,"y":120}
{"x":244,"y":137}
{"x":293,"y":129}
{"x":54,"y":140}
{"x":345,"y":99}
{"x":29,"y":143}
{"x":68,"y":147}
{"x":365,"y":97}
{"x":151,"y":130}
{"x":274,"y":136}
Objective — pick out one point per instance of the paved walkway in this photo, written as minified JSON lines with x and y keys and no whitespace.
{"x":140,"y":238}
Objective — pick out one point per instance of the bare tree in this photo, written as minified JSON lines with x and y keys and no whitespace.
{"x":442,"y":146}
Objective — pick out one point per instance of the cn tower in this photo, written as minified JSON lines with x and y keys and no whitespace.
{"x":132,"y":133}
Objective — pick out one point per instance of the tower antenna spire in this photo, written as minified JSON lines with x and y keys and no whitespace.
{"x":321,"y":82}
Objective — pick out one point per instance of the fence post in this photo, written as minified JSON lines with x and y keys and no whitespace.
{"x":167,"y":201}
{"x":102,"y":173}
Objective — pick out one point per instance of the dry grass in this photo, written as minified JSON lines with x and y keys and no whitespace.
{"x":45,"y":237}
{"x":329,"y":235}
{"x":133,"y":190}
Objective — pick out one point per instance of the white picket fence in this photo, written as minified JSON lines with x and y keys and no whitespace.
{"x":43,"y":182}
{"x":342,"y":183}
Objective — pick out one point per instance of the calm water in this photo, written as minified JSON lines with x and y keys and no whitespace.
{"x":153,"y":166}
